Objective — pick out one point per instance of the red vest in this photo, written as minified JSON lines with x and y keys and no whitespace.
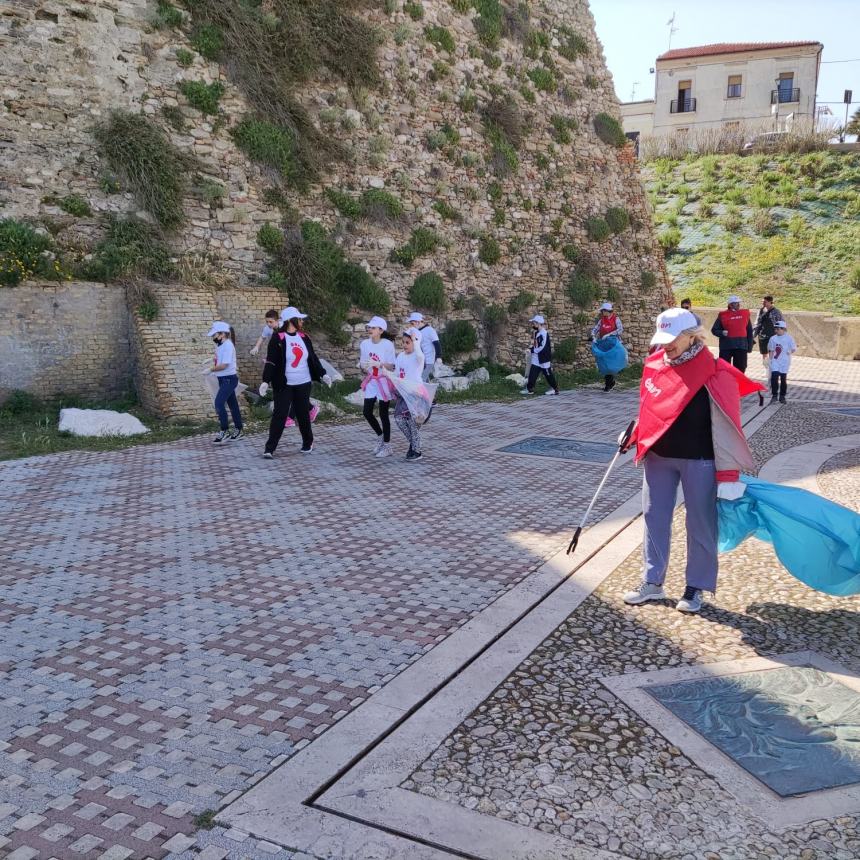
{"x":607,"y":324}
{"x":735,"y":322}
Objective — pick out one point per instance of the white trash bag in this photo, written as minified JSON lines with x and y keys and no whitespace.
{"x":418,"y":397}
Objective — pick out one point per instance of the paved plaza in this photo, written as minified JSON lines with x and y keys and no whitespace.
{"x":210,"y":655}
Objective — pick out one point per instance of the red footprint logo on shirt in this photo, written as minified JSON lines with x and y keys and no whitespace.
{"x":375,"y":357}
{"x":298,"y":355}
{"x":777,"y":352}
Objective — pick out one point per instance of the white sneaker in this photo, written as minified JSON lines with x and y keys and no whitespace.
{"x":379,"y":443}
{"x":384,"y":451}
{"x":644,"y":593}
{"x":691,"y":601}
{"x":526,"y":391}
{"x":550,"y":393}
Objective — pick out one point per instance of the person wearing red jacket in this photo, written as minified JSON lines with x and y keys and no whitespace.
{"x":734,"y":330}
{"x":688,"y":432}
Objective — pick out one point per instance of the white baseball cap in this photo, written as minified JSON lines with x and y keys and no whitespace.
{"x":606,"y":306}
{"x":733,"y":299}
{"x":538,"y":318}
{"x":377,"y":322}
{"x":415,"y":317}
{"x":218,"y":327}
{"x":292,"y":313}
{"x":780,"y":324}
{"x":415,"y":334}
{"x":671,"y":323}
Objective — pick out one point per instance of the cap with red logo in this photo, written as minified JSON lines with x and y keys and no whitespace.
{"x":671,"y":323}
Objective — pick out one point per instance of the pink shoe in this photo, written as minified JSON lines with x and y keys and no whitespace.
{"x":289,"y":423}
{"x":315,"y":410}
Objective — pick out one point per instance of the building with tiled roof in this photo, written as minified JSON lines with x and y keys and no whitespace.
{"x":741,"y":87}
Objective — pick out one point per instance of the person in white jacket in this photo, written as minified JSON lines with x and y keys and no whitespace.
{"x":431,"y":347}
{"x":409,"y":365}
{"x":780,"y":348}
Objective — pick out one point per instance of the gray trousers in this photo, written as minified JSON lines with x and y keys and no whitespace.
{"x":659,"y":490}
{"x":408,"y":427}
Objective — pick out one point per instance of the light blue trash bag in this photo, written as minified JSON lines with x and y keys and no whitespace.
{"x":611,"y":355}
{"x":816,"y":540}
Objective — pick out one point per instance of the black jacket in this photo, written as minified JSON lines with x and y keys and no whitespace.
{"x":274,"y":370}
{"x":542,"y":346}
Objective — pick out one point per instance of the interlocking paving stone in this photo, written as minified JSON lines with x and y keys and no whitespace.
{"x":168,"y":638}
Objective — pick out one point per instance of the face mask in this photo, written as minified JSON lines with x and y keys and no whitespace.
{"x":216,"y":340}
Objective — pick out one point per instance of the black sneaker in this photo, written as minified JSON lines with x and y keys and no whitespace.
{"x":773,"y":399}
{"x":412,"y":456}
{"x":306,"y":449}
{"x":222,"y":436}
{"x":782,"y":399}
{"x":268,"y":455}
{"x":236,"y":434}
{"x":409,"y":452}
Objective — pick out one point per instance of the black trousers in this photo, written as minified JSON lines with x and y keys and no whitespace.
{"x":778,"y":383}
{"x":385,"y":429}
{"x":535,"y":371}
{"x":299,"y":398}
{"x":737,"y":357}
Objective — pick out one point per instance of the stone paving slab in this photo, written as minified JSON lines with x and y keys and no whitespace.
{"x":179,"y":619}
{"x":553,"y":750}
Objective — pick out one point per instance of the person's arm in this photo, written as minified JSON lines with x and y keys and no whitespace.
{"x":749,"y":336}
{"x":717,"y":329}
{"x":618,"y":327}
{"x":437,"y":349}
{"x":256,"y":347}
{"x":595,"y":329}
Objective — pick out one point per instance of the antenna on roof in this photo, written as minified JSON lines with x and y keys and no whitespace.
{"x":633,"y":91}
{"x":672,"y":29}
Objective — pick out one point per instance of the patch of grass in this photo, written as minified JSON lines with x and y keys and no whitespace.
{"x":167,"y":16}
{"x":609,"y":130}
{"x":202,"y":96}
{"x":362,"y":289}
{"x":592,"y":82}
{"x":446,"y":210}
{"x":489,"y":251}
{"x":488,"y":23}
{"x":208,"y":41}
{"x":618,"y":219}
{"x":21,"y":252}
{"x":573,"y":45}
{"x":458,"y":336}
{"x":28,"y":426}
{"x":423,"y":241}
{"x":564,"y":352}
{"x":75,"y":205}
{"x":562,"y":127}
{"x":129,"y":247}
{"x":270,"y":238}
{"x":521,"y":302}
{"x":598,"y":229}
{"x":184,"y":57}
{"x":669,"y":240}
{"x":414,"y":10}
{"x":543,"y":79}
{"x":428,"y":292}
{"x":174,"y":117}
{"x":147,"y":306}
{"x":582,"y":287}
{"x":274,"y":146}
{"x":205,"y":820}
{"x":763,"y":223}
{"x":138,"y":150}
{"x":440,"y":37}
{"x":732,"y":220}
{"x":648,"y":281}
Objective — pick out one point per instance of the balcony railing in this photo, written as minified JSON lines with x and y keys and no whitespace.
{"x":682,"y":105}
{"x":784,"y":96}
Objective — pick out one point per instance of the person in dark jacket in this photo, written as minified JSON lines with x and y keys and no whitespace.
{"x":765,"y":328}
{"x":291,"y":368}
{"x":541,"y":357}
{"x":734,"y":330}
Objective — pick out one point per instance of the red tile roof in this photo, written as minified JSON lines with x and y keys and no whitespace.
{"x":728,"y":48}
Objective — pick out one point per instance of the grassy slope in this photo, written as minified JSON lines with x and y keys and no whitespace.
{"x":798,"y":228}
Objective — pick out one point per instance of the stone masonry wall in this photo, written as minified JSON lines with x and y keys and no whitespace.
{"x":66,"y":64}
{"x":70,"y":338}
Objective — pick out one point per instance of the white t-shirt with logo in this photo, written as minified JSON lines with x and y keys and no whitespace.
{"x":780,"y":347}
{"x":266,"y":332}
{"x":539,"y":343}
{"x":370,"y":351}
{"x":428,"y":335}
{"x":225,"y":353}
{"x":296,"y":366}
{"x":409,"y":366}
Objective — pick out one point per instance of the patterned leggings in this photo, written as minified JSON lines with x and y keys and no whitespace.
{"x":407,"y":425}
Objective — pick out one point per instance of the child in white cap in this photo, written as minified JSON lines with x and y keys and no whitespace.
{"x":780,"y":348}
{"x":377,"y":352}
{"x":224,"y":367}
{"x":430,"y":344}
{"x":608,"y":325}
{"x":541,"y":357}
{"x":409,"y":366}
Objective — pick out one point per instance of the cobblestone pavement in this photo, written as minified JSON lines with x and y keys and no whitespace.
{"x":177,"y":620}
{"x":554,"y":750}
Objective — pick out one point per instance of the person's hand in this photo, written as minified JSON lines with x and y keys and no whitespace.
{"x":327,"y":380}
{"x":255,"y":350}
{"x":438,"y":363}
{"x":625,"y":446}
{"x":731,"y":490}
{"x":725,"y":333}
{"x":264,"y":389}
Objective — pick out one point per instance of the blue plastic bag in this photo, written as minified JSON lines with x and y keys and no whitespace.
{"x":610,"y":354}
{"x":816,"y":540}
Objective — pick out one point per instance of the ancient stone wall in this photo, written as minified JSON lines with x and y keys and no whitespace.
{"x":70,"y":338}
{"x":66,"y":64}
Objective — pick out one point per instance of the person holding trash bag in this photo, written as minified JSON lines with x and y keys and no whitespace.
{"x":540,"y":357}
{"x":606,"y":346}
{"x":430,"y":344}
{"x":291,"y":368}
{"x":688,"y":432}
{"x":734,"y":330}
{"x":225,"y":369}
{"x":378,"y":353}
{"x":414,"y":395}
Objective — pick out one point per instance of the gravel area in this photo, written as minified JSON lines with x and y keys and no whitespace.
{"x":839,"y":478}
{"x":553,"y":749}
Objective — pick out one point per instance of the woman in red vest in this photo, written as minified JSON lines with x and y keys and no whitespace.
{"x":608,"y":325}
{"x":688,"y":432}
{"x":734,"y":329}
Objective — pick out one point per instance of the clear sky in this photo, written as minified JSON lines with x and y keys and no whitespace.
{"x":634,"y":32}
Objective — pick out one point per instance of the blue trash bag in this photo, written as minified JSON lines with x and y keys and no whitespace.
{"x":610,"y":354}
{"x":816,"y":540}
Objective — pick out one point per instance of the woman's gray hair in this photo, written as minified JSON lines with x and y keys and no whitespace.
{"x":697,"y":332}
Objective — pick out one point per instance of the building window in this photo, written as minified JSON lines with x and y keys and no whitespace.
{"x":734,"y":88}
{"x":785,"y":91}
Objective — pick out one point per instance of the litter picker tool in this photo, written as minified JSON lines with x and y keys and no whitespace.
{"x":622,"y":444}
